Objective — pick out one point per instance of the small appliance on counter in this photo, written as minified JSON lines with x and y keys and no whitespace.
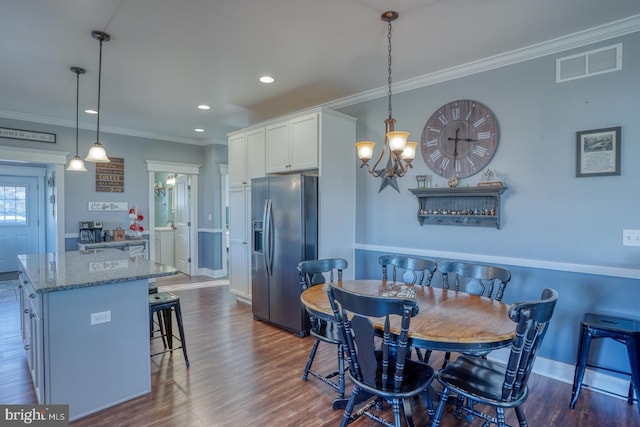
{"x":90,"y":232}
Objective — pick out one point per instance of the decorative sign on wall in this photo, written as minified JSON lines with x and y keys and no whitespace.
{"x":27,"y":135}
{"x":109,"y":206}
{"x":110,"y":176}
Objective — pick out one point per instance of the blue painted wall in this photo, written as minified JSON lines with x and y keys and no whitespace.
{"x":557,"y":230}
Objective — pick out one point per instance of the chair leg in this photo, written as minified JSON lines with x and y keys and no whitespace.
{"x":341,"y":384}
{"x":349,"y":409}
{"x":633,"y":349}
{"x":581,"y":364}
{"x":428,"y":402}
{"x":312,"y":355}
{"x":408,"y":412}
{"x":435,"y":421}
{"x":520,"y":415}
{"x":500,"y":416}
{"x":183,"y":341}
{"x":395,"y":404}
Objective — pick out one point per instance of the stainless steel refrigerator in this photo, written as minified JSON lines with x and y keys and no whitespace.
{"x":284,"y":221}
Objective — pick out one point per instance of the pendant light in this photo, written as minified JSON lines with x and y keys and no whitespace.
{"x":97,"y":152}
{"x":76,"y":163}
{"x":401,"y":153}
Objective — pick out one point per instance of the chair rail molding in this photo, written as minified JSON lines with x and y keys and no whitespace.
{"x":600,"y":270}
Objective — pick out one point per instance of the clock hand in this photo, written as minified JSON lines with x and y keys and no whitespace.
{"x":456,"y":139}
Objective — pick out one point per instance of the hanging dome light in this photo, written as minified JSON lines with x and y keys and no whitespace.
{"x":76,"y":163}
{"x":97,"y":153}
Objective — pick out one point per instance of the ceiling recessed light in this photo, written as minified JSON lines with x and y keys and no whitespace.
{"x":91,"y":111}
{"x":203,"y":107}
{"x":198,"y":130}
{"x":267,"y":79}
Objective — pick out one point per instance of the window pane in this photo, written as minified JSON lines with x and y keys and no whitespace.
{"x":13,"y":205}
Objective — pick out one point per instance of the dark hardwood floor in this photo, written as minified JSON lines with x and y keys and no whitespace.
{"x":247,"y":373}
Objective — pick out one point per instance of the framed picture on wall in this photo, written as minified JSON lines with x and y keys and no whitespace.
{"x":598,"y":152}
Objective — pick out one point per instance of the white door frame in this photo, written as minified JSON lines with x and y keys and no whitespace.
{"x":224,"y":188}
{"x":58,"y":160}
{"x":193,"y":170}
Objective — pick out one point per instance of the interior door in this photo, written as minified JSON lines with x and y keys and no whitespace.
{"x":19,"y":207}
{"x":183,"y":224}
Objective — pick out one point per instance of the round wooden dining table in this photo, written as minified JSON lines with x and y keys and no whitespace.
{"x":446,"y":320}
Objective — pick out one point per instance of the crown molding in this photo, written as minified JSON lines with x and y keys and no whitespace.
{"x":582,"y":38}
{"x":13,"y":115}
{"x":592,"y":35}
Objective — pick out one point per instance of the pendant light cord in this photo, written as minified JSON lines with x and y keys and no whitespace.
{"x":77,"y":107}
{"x":99,"y":81}
{"x":389,"y":69}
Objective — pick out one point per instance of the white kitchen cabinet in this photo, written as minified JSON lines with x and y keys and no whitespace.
{"x":31,"y":311}
{"x":239,"y":241}
{"x":246,"y":156}
{"x":165,"y":246}
{"x":292,"y":145}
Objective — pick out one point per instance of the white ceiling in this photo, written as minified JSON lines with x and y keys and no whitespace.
{"x":167,"y":56}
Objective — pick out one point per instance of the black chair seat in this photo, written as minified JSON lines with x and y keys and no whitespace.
{"x":417,"y":378}
{"x":326,"y":331}
{"x":480,"y":378}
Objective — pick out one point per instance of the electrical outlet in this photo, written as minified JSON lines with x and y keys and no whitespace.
{"x":102,"y":317}
{"x":630,"y":237}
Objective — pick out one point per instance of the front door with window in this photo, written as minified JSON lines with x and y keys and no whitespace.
{"x":18,"y":219}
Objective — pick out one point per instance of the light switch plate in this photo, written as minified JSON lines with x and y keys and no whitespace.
{"x":630,"y":237}
{"x":102,"y":317}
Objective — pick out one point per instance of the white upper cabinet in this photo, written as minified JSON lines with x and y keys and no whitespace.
{"x":246,"y":157}
{"x":292,"y":145}
{"x":255,"y":154}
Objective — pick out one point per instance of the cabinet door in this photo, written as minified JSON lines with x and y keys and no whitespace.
{"x":304,"y":142}
{"x":239,"y":267}
{"x":237,"y":160}
{"x":277,"y":148}
{"x":255,"y":151}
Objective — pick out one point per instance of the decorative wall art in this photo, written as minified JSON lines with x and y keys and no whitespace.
{"x":598,"y":152}
{"x":28,"y":135}
{"x":108,"y":206}
{"x":110,"y":176}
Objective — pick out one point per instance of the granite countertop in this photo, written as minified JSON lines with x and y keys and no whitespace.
{"x":78,"y":269}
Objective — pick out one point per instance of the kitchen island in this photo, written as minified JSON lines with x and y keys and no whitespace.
{"x":85,"y":326}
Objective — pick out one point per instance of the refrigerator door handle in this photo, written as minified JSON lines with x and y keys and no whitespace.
{"x":266,"y":235}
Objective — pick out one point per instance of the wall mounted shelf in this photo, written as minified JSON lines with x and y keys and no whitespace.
{"x":159,"y":191}
{"x":466,"y":206}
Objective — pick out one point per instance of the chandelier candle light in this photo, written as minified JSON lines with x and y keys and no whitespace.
{"x":97,"y":152}
{"x":401,"y":152}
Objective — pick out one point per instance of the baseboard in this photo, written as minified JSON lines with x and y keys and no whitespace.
{"x":215,"y":274}
{"x":594,"y":380}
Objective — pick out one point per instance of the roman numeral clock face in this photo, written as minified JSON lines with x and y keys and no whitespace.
{"x":459,"y":139}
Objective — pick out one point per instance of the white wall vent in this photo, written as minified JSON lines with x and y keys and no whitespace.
{"x":591,"y":63}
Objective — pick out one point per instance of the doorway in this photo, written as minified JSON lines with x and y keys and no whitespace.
{"x":183,"y":201}
{"x":21,"y":215}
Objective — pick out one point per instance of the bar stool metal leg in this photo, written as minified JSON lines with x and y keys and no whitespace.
{"x":581,"y":365}
{"x":633,"y":348}
{"x":183,"y":341}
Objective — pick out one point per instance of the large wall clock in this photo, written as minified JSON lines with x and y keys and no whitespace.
{"x":459,"y":139}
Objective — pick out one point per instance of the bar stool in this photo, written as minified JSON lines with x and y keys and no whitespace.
{"x":625,"y":331}
{"x":167,"y":303}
